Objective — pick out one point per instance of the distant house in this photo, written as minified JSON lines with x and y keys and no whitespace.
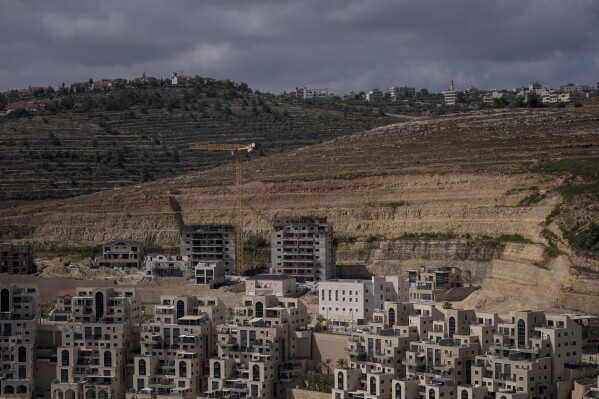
{"x":180,"y":79}
{"x":122,"y":254}
{"x":210,"y":273}
{"x":374,"y":96}
{"x":102,"y":84}
{"x":80,"y":87}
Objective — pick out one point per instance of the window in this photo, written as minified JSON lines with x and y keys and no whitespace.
{"x":259,"y":309}
{"x":4,"y":301}
{"x":142,"y":367}
{"x":431,"y":394}
{"x":256,"y":373}
{"x":391,"y":317}
{"x":397,"y":391}
{"x":464,"y":394}
{"x":340,"y":380}
{"x":107,"y":359}
{"x":22,"y":354}
{"x":372,"y":386}
{"x":451,"y":326}
{"x":180,"y":309}
{"x":521,"y":333}
{"x":99,"y":305}
{"x":216,"y":370}
{"x":65,"y":357}
{"x":182,"y":369}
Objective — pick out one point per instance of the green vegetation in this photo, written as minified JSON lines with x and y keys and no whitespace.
{"x":586,"y":238}
{"x":533,"y":198}
{"x":590,"y":378}
{"x":450,"y":235}
{"x":582,"y":173}
{"x":83,"y":251}
{"x":313,"y":381}
{"x":396,"y":204}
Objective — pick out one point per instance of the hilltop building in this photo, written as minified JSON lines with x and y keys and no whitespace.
{"x":279,"y":285}
{"x":163,"y":265}
{"x":302,"y":247}
{"x":19,"y":314}
{"x":451,"y":95}
{"x":396,"y":93}
{"x":16,"y":259}
{"x":210,"y":273}
{"x":437,"y":283}
{"x":210,"y":243}
{"x":307,"y":94}
{"x":353,"y":302}
{"x":122,"y":254}
{"x":374,"y":96}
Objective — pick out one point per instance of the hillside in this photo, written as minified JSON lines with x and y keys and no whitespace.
{"x":510,"y":196}
{"x":97,"y":141}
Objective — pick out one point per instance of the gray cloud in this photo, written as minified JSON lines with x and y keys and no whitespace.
{"x":279,"y":44}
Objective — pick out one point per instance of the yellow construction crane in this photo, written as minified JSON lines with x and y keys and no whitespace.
{"x":237,"y":150}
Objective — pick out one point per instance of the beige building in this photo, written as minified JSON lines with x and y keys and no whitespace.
{"x":122,"y":254}
{"x":261,"y":349}
{"x":280,"y":285}
{"x":431,"y":283}
{"x":16,"y":259}
{"x":210,"y":243}
{"x":175,"y":348}
{"x":163,"y":265}
{"x":97,"y":341}
{"x":19,"y":312}
{"x":210,"y":273}
{"x":302,"y":247}
{"x":353,"y":302}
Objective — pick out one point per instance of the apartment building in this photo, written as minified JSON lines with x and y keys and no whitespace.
{"x":210,"y":243}
{"x":352,"y":302}
{"x":16,"y":259}
{"x":450,"y":96}
{"x":431,"y":283}
{"x":280,"y":285}
{"x":19,"y":312}
{"x":261,"y":349}
{"x":374,"y":96}
{"x":307,"y":93}
{"x":96,"y":342}
{"x":302,"y":247}
{"x":122,"y":254}
{"x":175,"y":348}
{"x":396,"y":93}
{"x":163,"y":265}
{"x":210,"y":273}
{"x":456,"y":353}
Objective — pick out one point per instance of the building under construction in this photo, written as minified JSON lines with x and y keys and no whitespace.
{"x":210,"y":243}
{"x":16,"y":259}
{"x":302,"y":247}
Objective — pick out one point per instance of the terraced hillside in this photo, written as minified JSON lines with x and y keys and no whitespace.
{"x":107,"y":140}
{"x":510,"y":196}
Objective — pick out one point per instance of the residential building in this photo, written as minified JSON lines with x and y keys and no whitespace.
{"x":96,"y":342}
{"x":210,"y":273}
{"x":261,"y":350}
{"x":302,"y":247}
{"x":306,"y":93}
{"x":80,"y":87}
{"x":374,"y":95}
{"x":163,"y":265}
{"x":451,"y":95}
{"x":396,"y":93}
{"x":19,"y":313}
{"x":280,"y":285}
{"x":353,"y":302}
{"x":16,"y":259}
{"x":122,"y":254}
{"x":180,"y":79}
{"x":210,"y":243}
{"x":431,"y":283}
{"x":534,"y":86}
{"x":102,"y":84}
{"x":176,"y":347}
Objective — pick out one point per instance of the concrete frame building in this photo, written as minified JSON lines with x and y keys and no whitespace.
{"x":431,"y":283}
{"x":374,"y":95}
{"x":19,"y":314}
{"x":16,"y":259}
{"x":280,"y":285}
{"x":96,"y":342}
{"x":353,"y":302}
{"x":210,"y":243}
{"x":122,"y":254}
{"x":175,"y":348}
{"x":302,"y":247}
{"x":163,"y":265}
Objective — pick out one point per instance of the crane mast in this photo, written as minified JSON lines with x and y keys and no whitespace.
{"x":236,"y":150}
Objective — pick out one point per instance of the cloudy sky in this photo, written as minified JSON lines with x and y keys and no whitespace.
{"x":281,"y":44}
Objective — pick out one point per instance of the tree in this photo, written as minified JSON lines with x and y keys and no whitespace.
{"x":447,"y":305}
{"x":517,"y":102}
{"x":342,"y":363}
{"x":533,"y":100}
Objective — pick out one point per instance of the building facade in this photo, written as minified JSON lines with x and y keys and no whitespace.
{"x":210,"y":273}
{"x":210,"y":243}
{"x":16,"y":259}
{"x":429,"y":283}
{"x":122,"y":254}
{"x":302,"y":247}
{"x":163,"y":265}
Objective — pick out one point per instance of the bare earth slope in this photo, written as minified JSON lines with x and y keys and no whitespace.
{"x":454,"y":175}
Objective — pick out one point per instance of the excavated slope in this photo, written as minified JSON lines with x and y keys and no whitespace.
{"x":453,"y":175}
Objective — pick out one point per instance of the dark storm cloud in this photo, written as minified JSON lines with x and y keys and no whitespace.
{"x":277,"y":45}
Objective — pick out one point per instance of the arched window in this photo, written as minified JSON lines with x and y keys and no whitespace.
{"x":464,"y":394}
{"x":431,"y":394}
{"x":22,"y":354}
{"x":182,"y":369}
{"x":503,"y":397}
{"x":216,"y":370}
{"x":142,"y":367}
{"x":372,"y":386}
{"x":107,"y":359}
{"x":4,"y":301}
{"x":521,"y":333}
{"x":340,"y":380}
{"x":391,"y":317}
{"x":21,"y":389}
{"x":99,"y":305}
{"x":259,"y":309}
{"x":65,"y":357}
{"x":9,"y":389}
{"x":451,"y":326}
{"x":90,"y":394}
{"x":398,"y":391}
{"x":256,"y":373}
{"x":180,"y":309}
